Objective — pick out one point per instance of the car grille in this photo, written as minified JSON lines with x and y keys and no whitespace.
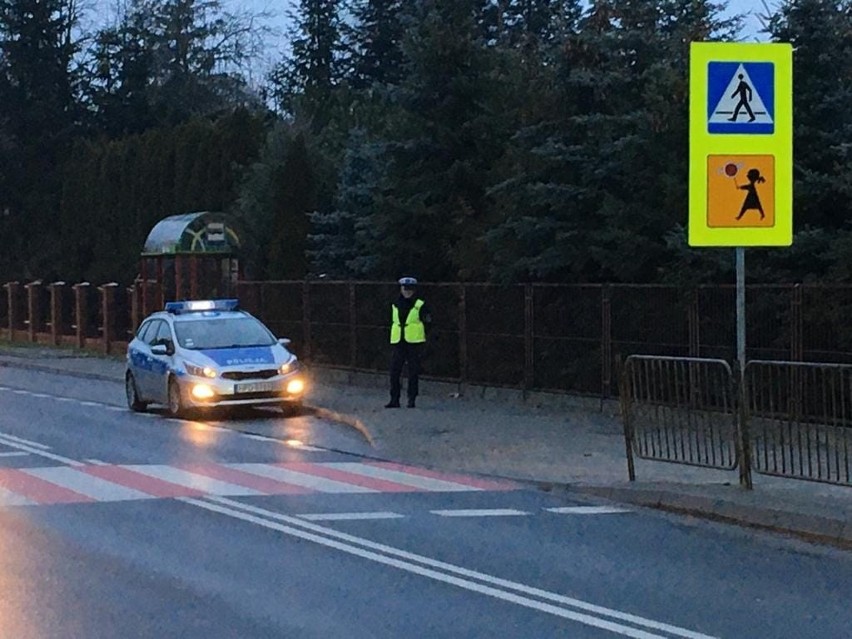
{"x":243,"y":375}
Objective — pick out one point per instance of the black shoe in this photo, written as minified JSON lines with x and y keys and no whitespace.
{"x":411,"y":403}
{"x":392,"y":404}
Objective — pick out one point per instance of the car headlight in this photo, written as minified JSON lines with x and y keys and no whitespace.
{"x":289,"y":367}
{"x":200,"y":371}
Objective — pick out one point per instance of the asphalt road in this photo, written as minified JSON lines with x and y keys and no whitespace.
{"x":114,"y":524}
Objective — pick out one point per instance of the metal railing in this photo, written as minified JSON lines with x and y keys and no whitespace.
{"x":788,"y":419}
{"x":680,"y":410}
{"x":800,"y":420}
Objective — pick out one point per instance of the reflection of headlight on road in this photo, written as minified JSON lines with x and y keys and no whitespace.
{"x":295,"y":386}
{"x":202,"y":391}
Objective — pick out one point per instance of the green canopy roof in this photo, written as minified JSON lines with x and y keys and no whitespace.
{"x":198,"y":233}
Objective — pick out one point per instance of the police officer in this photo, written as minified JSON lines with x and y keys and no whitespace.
{"x":409,"y":318}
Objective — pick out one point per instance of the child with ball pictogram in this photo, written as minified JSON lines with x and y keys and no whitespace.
{"x":752,"y":199}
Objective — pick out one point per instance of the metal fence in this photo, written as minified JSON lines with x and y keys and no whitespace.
{"x":549,"y":337}
{"x":681,"y":410}
{"x":800,"y":419}
{"x":788,"y":419}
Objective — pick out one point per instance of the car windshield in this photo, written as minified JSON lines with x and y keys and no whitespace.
{"x":222,"y":333}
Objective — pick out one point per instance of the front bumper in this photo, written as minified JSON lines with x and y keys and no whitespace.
{"x":223,"y":392}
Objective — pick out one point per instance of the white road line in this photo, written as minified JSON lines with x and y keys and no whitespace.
{"x":94,"y":487}
{"x":24,"y":441}
{"x":424,"y":483}
{"x":588,"y":510}
{"x":118,"y":409}
{"x":350,"y":516}
{"x":95,"y":404}
{"x":451,"y":574}
{"x":42,"y":395}
{"x":96,"y":462}
{"x":18,"y":391}
{"x":64,"y":399}
{"x":305,"y":480}
{"x":14,"y":453}
{"x":494,"y":512}
{"x":193,"y":480}
{"x":40,"y":453}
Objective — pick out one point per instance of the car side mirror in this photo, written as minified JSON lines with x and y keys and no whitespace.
{"x":159,"y":349}
{"x":285,"y":341}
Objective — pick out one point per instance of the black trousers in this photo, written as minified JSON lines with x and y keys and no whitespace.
{"x":402,"y":353}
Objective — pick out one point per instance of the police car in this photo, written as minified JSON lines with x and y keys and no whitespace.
{"x":205,"y":354}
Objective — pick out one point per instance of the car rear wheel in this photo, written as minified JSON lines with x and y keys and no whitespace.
{"x":133,"y":402}
{"x":175,"y":406}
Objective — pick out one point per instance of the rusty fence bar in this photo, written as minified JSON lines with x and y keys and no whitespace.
{"x":680,"y":410}
{"x":800,"y":420}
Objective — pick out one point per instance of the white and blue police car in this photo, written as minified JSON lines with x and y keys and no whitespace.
{"x":207,"y":354}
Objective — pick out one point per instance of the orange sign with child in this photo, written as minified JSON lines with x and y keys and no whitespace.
{"x":740,"y":191}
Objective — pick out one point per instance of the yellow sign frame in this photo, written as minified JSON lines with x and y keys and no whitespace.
{"x":703,"y":145}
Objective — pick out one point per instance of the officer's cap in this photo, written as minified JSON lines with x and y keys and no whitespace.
{"x":407,"y":281}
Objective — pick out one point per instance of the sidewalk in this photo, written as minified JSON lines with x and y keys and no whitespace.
{"x":545,"y":441}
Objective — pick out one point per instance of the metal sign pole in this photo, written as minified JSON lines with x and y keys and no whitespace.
{"x":745,"y":456}
{"x":741,"y":329}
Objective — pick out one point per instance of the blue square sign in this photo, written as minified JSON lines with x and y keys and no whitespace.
{"x":741,"y":98}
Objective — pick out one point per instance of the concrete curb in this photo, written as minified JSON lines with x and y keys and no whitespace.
{"x":837,"y":532}
{"x":60,"y":371}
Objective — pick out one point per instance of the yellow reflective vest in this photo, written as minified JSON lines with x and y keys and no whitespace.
{"x":415,"y":331}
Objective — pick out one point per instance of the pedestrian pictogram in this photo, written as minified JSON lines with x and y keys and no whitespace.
{"x":741,"y":97}
{"x":740,"y":191}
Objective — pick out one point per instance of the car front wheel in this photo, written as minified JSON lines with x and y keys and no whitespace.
{"x":133,"y":402}
{"x":175,"y":406}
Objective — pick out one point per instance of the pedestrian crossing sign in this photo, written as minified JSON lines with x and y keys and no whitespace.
{"x":740,"y":144}
{"x":740,"y":97}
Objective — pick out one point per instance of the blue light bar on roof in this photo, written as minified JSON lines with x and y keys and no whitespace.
{"x":196,"y":306}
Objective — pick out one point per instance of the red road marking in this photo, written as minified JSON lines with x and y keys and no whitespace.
{"x":318,"y":470}
{"x":141,"y":482}
{"x":248,"y":480}
{"x":39,"y":490}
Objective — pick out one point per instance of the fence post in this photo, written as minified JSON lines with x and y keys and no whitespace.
{"x":33,"y":289}
{"x":306,"y":318}
{"x":626,"y":397}
{"x":12,"y":289}
{"x":462,"y":338}
{"x":81,"y":312}
{"x":135,"y":311}
{"x":56,"y":289}
{"x":694,"y":323}
{"x":107,"y":307}
{"x":353,"y":329}
{"x":796,"y":328}
{"x":606,"y":342}
{"x":529,"y":344}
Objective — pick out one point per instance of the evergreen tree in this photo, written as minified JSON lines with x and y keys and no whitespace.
{"x":38,"y":117}
{"x":439,"y":145}
{"x":168,"y":60}
{"x":375,"y":43}
{"x":280,"y":192}
{"x":821,"y":33}
{"x":338,"y":237}
{"x":306,"y":79}
{"x":605,"y":175}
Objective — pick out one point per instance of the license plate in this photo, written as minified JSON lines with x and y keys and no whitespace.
{"x":255,"y":387}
